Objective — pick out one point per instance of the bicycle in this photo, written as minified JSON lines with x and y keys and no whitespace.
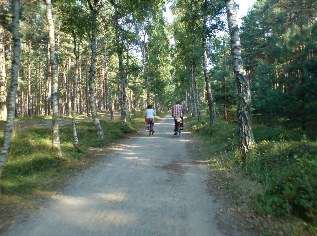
{"x":151,"y":130}
{"x":150,"y":126}
{"x":178,"y":126}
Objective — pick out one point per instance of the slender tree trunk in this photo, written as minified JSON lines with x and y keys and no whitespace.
{"x":225,"y":104}
{"x":81,"y":96}
{"x":3,"y":85}
{"x":145,"y":74}
{"x":55,"y":100}
{"x":13,"y":85}
{"x":87,"y":108}
{"x":75,"y":89}
{"x":29,"y":92}
{"x":92,"y":98}
{"x":246,"y":139}
{"x":122,"y":88}
{"x":210,"y":99}
{"x":68,"y":88}
{"x":195,"y":92}
{"x":109,"y":106}
{"x":121,"y":74}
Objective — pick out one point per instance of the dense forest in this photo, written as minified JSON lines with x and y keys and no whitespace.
{"x":65,"y":58}
{"x":121,"y":55}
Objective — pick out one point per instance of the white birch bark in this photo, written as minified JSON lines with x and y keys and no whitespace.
{"x":92,"y":98}
{"x":109,"y":105}
{"x":54,"y":75}
{"x":75,"y":100}
{"x":3,"y":85}
{"x":13,"y":85}
{"x":122,"y":74}
{"x":246,"y":139}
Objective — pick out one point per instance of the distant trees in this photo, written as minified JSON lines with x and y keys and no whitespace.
{"x":195,"y":24}
{"x":59,"y":75}
{"x":279,"y":38}
{"x":278,"y":47}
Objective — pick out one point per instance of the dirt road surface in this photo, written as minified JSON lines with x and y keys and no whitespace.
{"x":144,"y":186}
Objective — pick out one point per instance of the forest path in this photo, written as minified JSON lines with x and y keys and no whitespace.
{"x":145,"y":186}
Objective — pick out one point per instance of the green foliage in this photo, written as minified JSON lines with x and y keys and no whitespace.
{"x":278,"y":40}
{"x":288,"y":172}
{"x":225,"y":135}
{"x":282,"y":169}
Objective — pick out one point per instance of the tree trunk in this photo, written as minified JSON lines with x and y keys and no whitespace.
{"x":3,"y":85}
{"x":14,"y":83}
{"x":246,"y":139}
{"x":92,"y":98}
{"x":122,"y":86}
{"x":74,"y":97}
{"x":195,"y":92}
{"x":55,"y":106}
{"x":108,"y":99}
{"x":144,"y":71}
{"x":210,"y":99}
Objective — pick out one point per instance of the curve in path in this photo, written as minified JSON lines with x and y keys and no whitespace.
{"x":145,"y":186}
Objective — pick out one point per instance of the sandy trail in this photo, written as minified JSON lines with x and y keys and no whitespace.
{"x":145,"y":186}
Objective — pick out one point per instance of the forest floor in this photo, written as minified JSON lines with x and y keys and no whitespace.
{"x":156,"y":185}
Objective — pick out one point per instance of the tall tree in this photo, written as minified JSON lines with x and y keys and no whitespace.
{"x":13,"y":83}
{"x":3,"y":87}
{"x":94,"y":6}
{"x":54,"y":75}
{"x":246,"y":139}
{"x":119,"y":48}
{"x":210,"y":99}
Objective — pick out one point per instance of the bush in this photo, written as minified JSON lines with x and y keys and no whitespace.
{"x":288,"y":172}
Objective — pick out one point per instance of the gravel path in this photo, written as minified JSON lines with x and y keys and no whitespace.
{"x":145,"y":186}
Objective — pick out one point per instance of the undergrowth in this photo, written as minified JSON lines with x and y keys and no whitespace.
{"x":280,"y":172}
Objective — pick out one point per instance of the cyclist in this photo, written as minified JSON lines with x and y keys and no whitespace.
{"x":149,"y":115}
{"x":178,"y":112}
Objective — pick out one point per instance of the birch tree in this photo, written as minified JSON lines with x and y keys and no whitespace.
{"x":246,"y":139}
{"x":94,"y":7}
{"x":54,"y":77}
{"x":75,"y":91}
{"x":3,"y":87}
{"x":13,"y":83}
{"x":120,"y":50}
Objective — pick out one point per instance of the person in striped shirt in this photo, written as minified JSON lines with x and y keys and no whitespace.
{"x":178,"y":111}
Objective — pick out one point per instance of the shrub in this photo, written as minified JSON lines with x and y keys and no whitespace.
{"x":288,"y":171}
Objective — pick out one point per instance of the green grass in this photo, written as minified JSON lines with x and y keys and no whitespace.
{"x":278,"y":179}
{"x":31,"y":166}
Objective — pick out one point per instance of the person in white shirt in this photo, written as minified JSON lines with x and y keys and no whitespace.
{"x":149,"y":114}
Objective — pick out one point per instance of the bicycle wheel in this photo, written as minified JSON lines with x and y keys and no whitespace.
{"x":151,"y":131}
{"x":178,"y":128}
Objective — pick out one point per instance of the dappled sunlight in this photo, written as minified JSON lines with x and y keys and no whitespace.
{"x":73,"y":201}
{"x":149,"y":137}
{"x":185,"y":140}
{"x":166,"y":123}
{"x":113,"y":197}
{"x":132,"y":158}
